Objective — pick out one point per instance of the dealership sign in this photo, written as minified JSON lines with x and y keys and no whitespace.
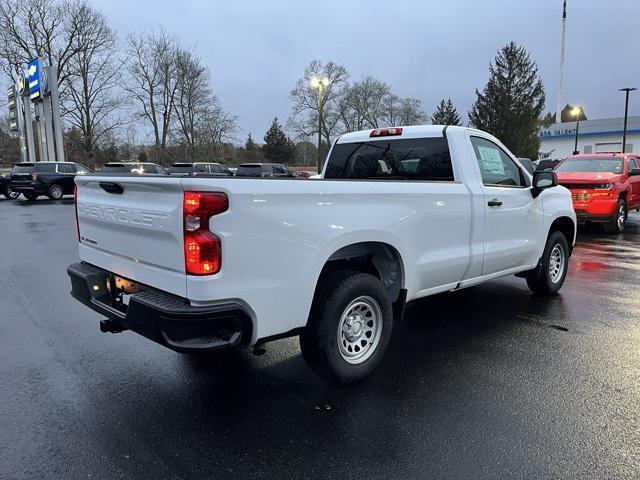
{"x":37,"y":78}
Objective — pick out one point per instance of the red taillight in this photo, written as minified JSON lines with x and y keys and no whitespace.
{"x":385,"y":132}
{"x":202,"y":248}
{"x":75,"y":203}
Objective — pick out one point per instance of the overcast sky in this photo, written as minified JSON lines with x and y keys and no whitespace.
{"x":426,"y":49}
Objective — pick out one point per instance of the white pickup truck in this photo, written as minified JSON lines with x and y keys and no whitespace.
{"x":201,"y":263}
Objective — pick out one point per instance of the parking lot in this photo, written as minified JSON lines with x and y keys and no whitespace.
{"x":489,"y":382}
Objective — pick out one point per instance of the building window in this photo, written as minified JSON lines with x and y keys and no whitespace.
{"x":615,"y":147}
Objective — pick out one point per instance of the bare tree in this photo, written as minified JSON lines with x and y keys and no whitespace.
{"x":402,"y":111}
{"x":306,"y":103}
{"x":152,"y":82}
{"x":29,"y":28}
{"x":361,"y":104}
{"x":93,"y":78}
{"x":192,"y":96}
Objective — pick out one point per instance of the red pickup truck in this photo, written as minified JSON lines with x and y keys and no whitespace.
{"x":604,"y":187}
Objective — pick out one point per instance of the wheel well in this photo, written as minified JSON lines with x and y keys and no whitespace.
{"x":377,"y":258}
{"x":623,"y":195}
{"x":566,"y":227}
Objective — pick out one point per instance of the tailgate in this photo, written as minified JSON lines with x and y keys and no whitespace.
{"x":132,"y":226}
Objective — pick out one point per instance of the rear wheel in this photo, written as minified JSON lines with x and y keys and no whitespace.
{"x":349,"y":327}
{"x":617,"y":225}
{"x":31,"y":196}
{"x":554,"y":266}
{"x":55,"y":192}
{"x":10,"y":194}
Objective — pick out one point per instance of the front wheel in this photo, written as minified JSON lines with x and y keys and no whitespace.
{"x":554,"y":266}
{"x":10,"y":194}
{"x":349,"y":327}
{"x":617,"y":225}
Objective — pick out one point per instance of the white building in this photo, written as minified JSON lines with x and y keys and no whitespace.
{"x":594,"y":136}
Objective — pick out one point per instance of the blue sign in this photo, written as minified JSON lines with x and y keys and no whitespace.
{"x":34,"y":76}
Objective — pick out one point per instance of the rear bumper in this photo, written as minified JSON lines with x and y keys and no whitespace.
{"x":166,"y":319}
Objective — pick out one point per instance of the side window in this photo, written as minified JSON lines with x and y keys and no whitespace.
{"x":215,"y":168}
{"x":45,"y":167}
{"x":633,"y":163}
{"x":66,"y":168}
{"x":268,"y":169}
{"x":496,"y":166}
{"x":81,"y":169}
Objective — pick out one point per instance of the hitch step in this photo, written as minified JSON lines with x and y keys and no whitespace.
{"x":111,"y":326}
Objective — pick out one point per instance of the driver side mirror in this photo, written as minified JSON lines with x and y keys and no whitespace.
{"x":634,"y":172}
{"x":542,"y":180}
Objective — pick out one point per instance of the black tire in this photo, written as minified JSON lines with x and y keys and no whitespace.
{"x":31,"y":196}
{"x":55,"y":192}
{"x":546,"y":282}
{"x":617,"y":225}
{"x":319,"y":342}
{"x":10,"y":194}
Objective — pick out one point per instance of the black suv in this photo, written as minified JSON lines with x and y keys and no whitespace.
{"x":263,"y":170}
{"x":53,"y":179}
{"x":140,"y":168}
{"x":199,"y":167}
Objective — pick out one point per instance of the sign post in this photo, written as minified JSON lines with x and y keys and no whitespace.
{"x":23,"y":91}
{"x":40,"y":87}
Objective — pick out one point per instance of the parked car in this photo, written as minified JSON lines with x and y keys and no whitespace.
{"x":53,"y":179}
{"x":547,"y":164}
{"x":5,"y":187}
{"x":263,"y":170}
{"x":141,"y":168}
{"x":604,"y":187}
{"x":400,"y":213}
{"x":199,"y":168}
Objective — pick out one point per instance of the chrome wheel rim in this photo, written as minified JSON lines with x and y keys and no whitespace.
{"x":56,"y":192}
{"x":556,"y":263}
{"x":359,"y":330}
{"x":622,"y":216}
{"x":13,"y":195}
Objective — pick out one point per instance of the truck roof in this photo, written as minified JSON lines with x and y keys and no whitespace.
{"x":413,"y":131}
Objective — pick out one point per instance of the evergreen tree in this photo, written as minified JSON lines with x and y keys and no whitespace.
{"x":250,"y":145}
{"x":511,"y":104}
{"x":277,"y":147}
{"x":446,"y":114}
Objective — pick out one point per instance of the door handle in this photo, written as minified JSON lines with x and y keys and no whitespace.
{"x":111,"y":187}
{"x":494,"y":203}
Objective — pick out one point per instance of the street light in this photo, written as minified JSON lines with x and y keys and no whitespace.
{"x":319,"y":84}
{"x":576,"y":111}
{"x":626,"y":111}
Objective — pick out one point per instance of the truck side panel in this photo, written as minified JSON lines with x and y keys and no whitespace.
{"x":278,"y":234}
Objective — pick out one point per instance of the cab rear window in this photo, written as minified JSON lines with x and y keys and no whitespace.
{"x":402,"y":159}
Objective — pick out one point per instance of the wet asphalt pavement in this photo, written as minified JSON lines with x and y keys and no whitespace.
{"x":489,"y":382}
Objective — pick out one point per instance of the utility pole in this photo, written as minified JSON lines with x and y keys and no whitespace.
{"x":577,"y":111}
{"x":626,"y":91}
{"x":559,"y":105}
